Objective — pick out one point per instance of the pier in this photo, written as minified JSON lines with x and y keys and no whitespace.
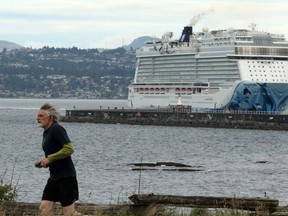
{"x":185,"y":117}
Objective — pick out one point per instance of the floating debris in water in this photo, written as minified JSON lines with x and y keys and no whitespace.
{"x":165,"y":166}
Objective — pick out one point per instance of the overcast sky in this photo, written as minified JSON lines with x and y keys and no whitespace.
{"x":113,"y":23}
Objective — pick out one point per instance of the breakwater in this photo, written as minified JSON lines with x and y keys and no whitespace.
{"x":185,"y":117}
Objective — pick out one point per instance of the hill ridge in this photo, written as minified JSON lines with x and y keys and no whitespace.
{"x":9,"y":45}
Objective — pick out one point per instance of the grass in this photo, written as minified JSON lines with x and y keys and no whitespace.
{"x":8,"y":194}
{"x":126,"y":210}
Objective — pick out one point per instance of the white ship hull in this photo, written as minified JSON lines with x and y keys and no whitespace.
{"x":188,"y":98}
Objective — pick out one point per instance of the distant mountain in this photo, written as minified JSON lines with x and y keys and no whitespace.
{"x":137,"y":43}
{"x":8,"y":45}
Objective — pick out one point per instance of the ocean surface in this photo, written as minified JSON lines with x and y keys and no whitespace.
{"x":235,"y":162}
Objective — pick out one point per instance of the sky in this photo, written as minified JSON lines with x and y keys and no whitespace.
{"x":112,"y":23}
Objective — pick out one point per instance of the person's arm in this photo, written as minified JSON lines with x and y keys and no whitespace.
{"x":66,"y":151}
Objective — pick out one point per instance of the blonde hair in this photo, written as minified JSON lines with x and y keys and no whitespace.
{"x":51,"y":111}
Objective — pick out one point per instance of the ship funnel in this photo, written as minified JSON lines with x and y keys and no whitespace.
{"x":187,"y":31}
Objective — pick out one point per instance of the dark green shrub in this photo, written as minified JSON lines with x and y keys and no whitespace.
{"x":7,"y":192}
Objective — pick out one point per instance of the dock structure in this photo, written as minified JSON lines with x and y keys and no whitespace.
{"x":185,"y":117}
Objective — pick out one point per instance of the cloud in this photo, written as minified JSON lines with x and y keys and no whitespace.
{"x":87,"y":23}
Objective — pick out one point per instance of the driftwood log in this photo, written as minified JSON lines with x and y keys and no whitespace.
{"x":249,"y":204}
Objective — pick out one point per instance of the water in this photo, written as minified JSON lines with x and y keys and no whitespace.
{"x":230,"y":157}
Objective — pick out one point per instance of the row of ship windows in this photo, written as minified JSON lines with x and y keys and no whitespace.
{"x":271,"y":71}
{"x":261,"y":51}
{"x":265,"y":75}
{"x":265,"y":80}
{"x":266,"y":62}
{"x":163,"y":90}
{"x":189,"y":68}
{"x":217,"y":43}
{"x":269,"y":66}
{"x":157,"y":93}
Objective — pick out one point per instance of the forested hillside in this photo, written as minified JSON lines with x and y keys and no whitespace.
{"x":66,"y":73}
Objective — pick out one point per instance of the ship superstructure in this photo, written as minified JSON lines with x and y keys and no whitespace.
{"x":235,"y":69}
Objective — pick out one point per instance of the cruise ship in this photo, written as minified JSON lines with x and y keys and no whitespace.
{"x":232,"y":69}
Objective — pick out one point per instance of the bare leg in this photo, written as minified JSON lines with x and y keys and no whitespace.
{"x":46,"y":208}
{"x":70,"y":211}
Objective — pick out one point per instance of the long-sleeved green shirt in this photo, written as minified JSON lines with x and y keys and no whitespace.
{"x":66,"y":151}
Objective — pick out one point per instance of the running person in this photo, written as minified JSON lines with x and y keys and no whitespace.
{"x":62,"y":184}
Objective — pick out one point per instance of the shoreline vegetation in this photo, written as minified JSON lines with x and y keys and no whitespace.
{"x":152,"y":205}
{"x":155,"y":205}
{"x":8,"y":208}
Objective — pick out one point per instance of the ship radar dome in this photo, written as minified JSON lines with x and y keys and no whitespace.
{"x":205,"y":29}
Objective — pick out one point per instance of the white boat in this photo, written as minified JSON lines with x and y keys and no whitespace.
{"x":236,"y":69}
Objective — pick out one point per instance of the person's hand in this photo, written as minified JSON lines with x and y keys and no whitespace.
{"x":44,"y":162}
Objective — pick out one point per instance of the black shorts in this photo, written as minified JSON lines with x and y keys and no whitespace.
{"x":64,"y":191}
